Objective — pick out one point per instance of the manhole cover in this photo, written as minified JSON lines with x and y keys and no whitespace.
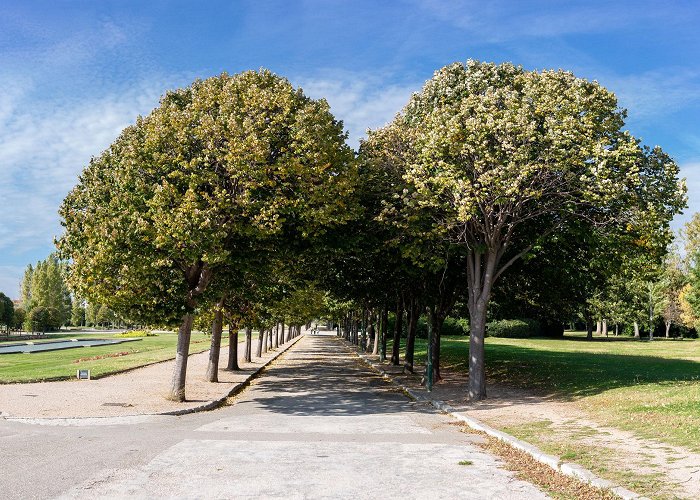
{"x":125,"y":405}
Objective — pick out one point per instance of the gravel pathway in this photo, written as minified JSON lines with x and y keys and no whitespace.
{"x":136,"y":392}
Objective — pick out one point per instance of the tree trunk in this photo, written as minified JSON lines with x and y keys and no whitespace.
{"x":605,"y":327}
{"x":636,"y":330}
{"x":396,"y":348}
{"x":264,"y":334}
{"x":276,"y":336}
{"x":261,"y":335}
{"x":477,"y":373}
{"x":216,"y":328}
{"x":598,"y":327}
{"x":589,"y":328}
{"x":616,"y":329}
{"x":481,"y":272}
{"x":375,"y":331}
{"x":668,"y":329}
{"x":248,"y":355}
{"x":177,"y":386}
{"x":436,"y":320}
{"x":384,"y":331}
{"x":232,"y":349}
{"x":411,"y":336}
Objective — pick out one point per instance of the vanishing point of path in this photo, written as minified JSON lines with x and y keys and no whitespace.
{"x":316,"y":424}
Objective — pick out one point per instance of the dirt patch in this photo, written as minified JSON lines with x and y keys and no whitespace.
{"x":112,"y":355}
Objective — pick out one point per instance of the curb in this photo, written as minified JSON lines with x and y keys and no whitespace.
{"x":566,"y":468}
{"x":211,"y":405}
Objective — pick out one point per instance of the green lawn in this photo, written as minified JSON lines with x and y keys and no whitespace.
{"x":62,"y":364}
{"x":651,"y":388}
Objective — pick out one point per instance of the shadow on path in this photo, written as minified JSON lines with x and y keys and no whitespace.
{"x":322,"y":377}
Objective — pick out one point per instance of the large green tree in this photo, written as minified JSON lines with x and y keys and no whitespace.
{"x":160,"y":213}
{"x":44,"y":285}
{"x":505,"y":158}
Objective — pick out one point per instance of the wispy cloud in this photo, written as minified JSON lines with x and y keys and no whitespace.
{"x":658,"y":92}
{"x":10,"y":278}
{"x":504,"y":20}
{"x":361,"y":101}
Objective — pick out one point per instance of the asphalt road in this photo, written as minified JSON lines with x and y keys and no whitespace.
{"x":316,"y":424}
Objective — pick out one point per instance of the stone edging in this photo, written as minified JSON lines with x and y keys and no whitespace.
{"x":566,"y":468}
{"x":211,"y":405}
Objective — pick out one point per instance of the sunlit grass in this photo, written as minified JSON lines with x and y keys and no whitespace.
{"x":650,"y":388}
{"x":62,"y":364}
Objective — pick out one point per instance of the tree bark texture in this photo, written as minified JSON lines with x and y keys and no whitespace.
{"x":384,"y":332}
{"x":261,"y":334}
{"x":177,"y":387}
{"x":375,"y":334}
{"x":197,"y":276}
{"x":216,"y":329}
{"x":248,"y":354}
{"x":232,"y":348}
{"x":396,"y":348}
{"x":589,"y":328}
{"x":436,"y":320}
{"x":481,"y":273}
{"x":414,"y":313}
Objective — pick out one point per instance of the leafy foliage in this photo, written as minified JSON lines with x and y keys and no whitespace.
{"x":513,"y":328}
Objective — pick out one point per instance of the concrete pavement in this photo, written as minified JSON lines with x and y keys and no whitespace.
{"x":317,"y":424}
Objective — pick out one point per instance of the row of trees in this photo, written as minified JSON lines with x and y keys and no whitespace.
{"x":47,"y":304}
{"x":239,"y":197}
{"x":496,"y":184}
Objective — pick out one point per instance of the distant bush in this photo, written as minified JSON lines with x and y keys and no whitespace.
{"x":136,"y":333}
{"x":42,"y":319}
{"x":513,"y":328}
{"x":455,"y":326}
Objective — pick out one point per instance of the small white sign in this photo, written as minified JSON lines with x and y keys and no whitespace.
{"x":83,"y":374}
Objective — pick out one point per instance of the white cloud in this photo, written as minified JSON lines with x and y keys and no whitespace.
{"x":504,"y":20}
{"x":657,"y":92}
{"x":362,"y":102}
{"x":45,"y":147}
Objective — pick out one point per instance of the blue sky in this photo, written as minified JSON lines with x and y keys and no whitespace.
{"x":74,"y":73}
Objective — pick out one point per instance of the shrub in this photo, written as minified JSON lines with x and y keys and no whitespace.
{"x":136,"y":333}
{"x":39,"y":319}
{"x":455,"y":326}
{"x":513,"y":328}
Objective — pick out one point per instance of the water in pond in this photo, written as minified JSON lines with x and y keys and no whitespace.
{"x":27,"y":347}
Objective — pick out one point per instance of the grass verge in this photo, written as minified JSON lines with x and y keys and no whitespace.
{"x":556,"y":484}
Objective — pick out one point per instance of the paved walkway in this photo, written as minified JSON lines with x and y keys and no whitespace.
{"x":317,"y":424}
